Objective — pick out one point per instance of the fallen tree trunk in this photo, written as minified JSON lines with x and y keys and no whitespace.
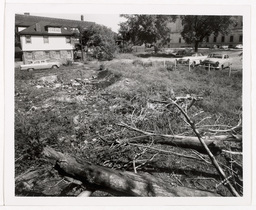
{"x":214,"y":143}
{"x":118,"y":182}
{"x":186,"y":142}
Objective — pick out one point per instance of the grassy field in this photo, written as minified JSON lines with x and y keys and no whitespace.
{"x":80,"y":112}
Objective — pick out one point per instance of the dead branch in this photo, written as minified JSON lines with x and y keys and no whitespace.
{"x":180,"y":99}
{"x":215,"y":143}
{"x":214,"y":161}
{"x":200,"y":156}
{"x":117,"y":182}
{"x":165,"y":151}
{"x":232,"y":152}
{"x":238,"y":126}
{"x":28,"y":175}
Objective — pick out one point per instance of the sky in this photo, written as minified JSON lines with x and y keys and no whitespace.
{"x":109,"y":20}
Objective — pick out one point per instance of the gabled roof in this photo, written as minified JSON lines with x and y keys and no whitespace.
{"x":40,"y":28}
{"x":28,"y":20}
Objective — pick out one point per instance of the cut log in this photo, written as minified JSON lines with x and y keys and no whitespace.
{"x":118,"y":183}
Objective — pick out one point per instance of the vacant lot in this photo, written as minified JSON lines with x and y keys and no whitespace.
{"x":84,"y":111}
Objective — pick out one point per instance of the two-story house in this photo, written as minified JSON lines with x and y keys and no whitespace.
{"x":44,"y":37}
{"x":45,"y":40}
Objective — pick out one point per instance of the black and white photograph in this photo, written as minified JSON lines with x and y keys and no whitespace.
{"x":154,"y":109}
{"x":129,"y":104}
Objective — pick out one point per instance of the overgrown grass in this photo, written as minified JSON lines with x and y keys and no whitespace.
{"x":222,"y":94}
{"x":88,"y":128}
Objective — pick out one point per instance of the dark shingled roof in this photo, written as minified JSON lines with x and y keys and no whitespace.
{"x":28,"y":20}
{"x":40,"y":28}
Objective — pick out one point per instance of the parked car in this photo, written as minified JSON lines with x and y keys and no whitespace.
{"x":239,"y":46}
{"x":224,"y":47}
{"x":40,"y":64}
{"x":193,"y":60}
{"x":217,"y":61}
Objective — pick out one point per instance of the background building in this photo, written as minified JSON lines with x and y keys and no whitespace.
{"x":234,"y":37}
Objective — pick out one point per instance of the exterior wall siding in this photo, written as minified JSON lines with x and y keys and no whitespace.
{"x":236,"y":40}
{"x":176,"y":37}
{"x":176,"y":40}
{"x":37,"y":43}
{"x":57,"y":48}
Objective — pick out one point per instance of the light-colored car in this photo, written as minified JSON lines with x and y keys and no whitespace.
{"x":217,"y":61}
{"x":224,"y":47}
{"x":239,"y":46}
{"x":40,"y":64}
{"x":193,"y":60}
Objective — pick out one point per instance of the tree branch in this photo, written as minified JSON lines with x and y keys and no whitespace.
{"x":215,"y":143}
{"x":214,"y":161}
{"x":166,"y":152}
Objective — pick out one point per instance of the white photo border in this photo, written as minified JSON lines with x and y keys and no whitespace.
{"x":13,"y":8}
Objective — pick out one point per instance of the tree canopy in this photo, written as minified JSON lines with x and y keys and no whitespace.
{"x":154,"y":29}
{"x":100,"y":39}
{"x":196,"y":28}
{"x":142,"y":29}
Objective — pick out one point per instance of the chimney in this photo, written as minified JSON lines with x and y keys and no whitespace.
{"x":27,"y":13}
{"x":38,"y":27}
{"x":82,"y":18}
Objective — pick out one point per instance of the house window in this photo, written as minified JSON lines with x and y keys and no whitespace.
{"x":54,"y":30}
{"x":223,"y":39}
{"x":68,"y":40}
{"x":240,"y":38}
{"x":207,"y":39}
{"x":214,"y":39}
{"x":231,"y":38}
{"x":28,"y":39}
{"x":74,"y":29}
{"x":47,"y":54}
{"x":46,"y":39}
{"x":179,"y":40}
{"x":57,"y":54}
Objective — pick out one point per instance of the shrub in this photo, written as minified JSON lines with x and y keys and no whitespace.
{"x":101,"y":42}
{"x":24,"y":75}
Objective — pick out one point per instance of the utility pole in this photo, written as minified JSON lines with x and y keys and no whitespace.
{"x":81,"y":44}
{"x":81,"y":41}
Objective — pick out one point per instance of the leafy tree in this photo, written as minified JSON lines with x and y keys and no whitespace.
{"x":142,"y":29}
{"x":100,"y":39}
{"x":197,"y":28}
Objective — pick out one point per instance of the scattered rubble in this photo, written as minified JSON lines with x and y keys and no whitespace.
{"x":123,"y":85}
{"x":48,"y":79}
